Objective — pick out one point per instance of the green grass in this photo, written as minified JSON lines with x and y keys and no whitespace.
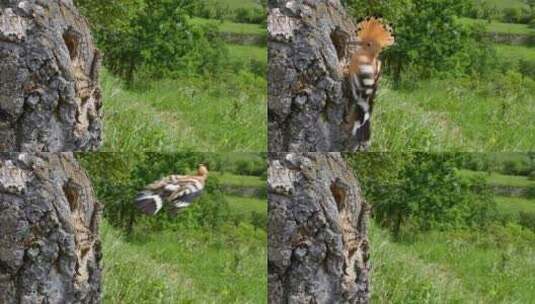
{"x":503,"y":28}
{"x":240,"y":180}
{"x":503,"y":157}
{"x":187,"y":266}
{"x":439,"y":115}
{"x":244,"y":206}
{"x":400,"y":276}
{"x":501,"y":179}
{"x":516,"y":52}
{"x":515,"y":205}
{"x":234,"y":27}
{"x":234,"y":4}
{"x":495,"y":266}
{"x":501,"y":4}
{"x":226,"y":114}
{"x":248,"y":53}
{"x":243,"y":28}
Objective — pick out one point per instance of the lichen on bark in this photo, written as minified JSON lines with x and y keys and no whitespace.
{"x":49,"y":231}
{"x":318,"y":231}
{"x":50,"y":98}
{"x":309,"y":99}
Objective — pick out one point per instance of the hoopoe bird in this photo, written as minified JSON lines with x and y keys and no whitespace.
{"x":364,"y":70}
{"x":176,"y":190}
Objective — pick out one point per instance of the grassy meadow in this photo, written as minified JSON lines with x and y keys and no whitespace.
{"x":473,"y":115}
{"x":214,"y":251}
{"x":494,"y":263}
{"x":239,"y":180}
{"x":188,"y":114}
{"x":465,"y":266}
{"x":516,"y":52}
{"x":220,"y":109}
{"x":439,"y":115}
{"x":490,"y":110}
{"x":187,"y":266}
{"x":514,"y":205}
{"x":234,"y":4}
{"x":493,"y":266}
{"x":507,"y":3}
{"x":246,"y":206}
{"x":248,"y":53}
{"x":501,"y":27}
{"x":494,"y":178}
{"x":227,"y":26}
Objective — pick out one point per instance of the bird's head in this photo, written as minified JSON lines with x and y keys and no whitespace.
{"x":202,"y":170}
{"x":374,"y":36}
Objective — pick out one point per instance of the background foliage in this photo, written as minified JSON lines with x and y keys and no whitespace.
{"x":211,"y":252}
{"x":459,"y":78}
{"x":430,"y":40}
{"x":422,"y":191}
{"x":118,"y":177}
{"x":449,"y":227}
{"x":189,"y":67}
{"x":154,"y":38}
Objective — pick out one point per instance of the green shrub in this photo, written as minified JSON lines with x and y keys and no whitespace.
{"x":255,"y":15}
{"x":430,"y":40}
{"x":516,"y":167}
{"x":211,"y":9}
{"x":475,"y":162}
{"x":155,"y":38}
{"x":247,"y":167}
{"x":259,"y":220}
{"x":531,"y":192}
{"x":527,"y":220}
{"x":258,"y":67}
{"x":512,"y":15}
{"x":511,"y":167}
{"x":422,"y":191}
{"x":118,"y":177}
{"x":527,"y":67}
{"x":531,"y":176}
{"x":483,"y":10}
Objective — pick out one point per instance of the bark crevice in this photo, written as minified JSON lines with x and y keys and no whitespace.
{"x":50,"y":98}
{"x":309,"y":99}
{"x":317,"y":249}
{"x":49,"y":247}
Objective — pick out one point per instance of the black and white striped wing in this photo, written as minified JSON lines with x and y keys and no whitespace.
{"x":176,"y":191}
{"x":149,"y":202}
{"x":182,"y":192}
{"x":363,"y":90}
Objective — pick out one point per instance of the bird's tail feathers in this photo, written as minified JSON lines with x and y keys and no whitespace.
{"x":149,"y":203}
{"x":178,"y":207}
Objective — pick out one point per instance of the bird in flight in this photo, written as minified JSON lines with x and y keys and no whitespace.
{"x":178,"y":191}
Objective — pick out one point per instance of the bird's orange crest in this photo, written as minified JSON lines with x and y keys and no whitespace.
{"x":374,"y":29}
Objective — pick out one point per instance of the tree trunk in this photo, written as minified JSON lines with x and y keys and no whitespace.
{"x":318,"y":231}
{"x":49,"y":93}
{"x":310,"y":41}
{"x":49,"y":223}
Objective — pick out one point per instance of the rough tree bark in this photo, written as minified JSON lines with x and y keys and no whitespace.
{"x":49,"y":221}
{"x":49,"y":93}
{"x":318,"y":231}
{"x":309,"y":42}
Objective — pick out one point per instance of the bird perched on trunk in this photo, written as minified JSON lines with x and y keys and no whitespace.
{"x":364,"y":71}
{"x":176,"y":190}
